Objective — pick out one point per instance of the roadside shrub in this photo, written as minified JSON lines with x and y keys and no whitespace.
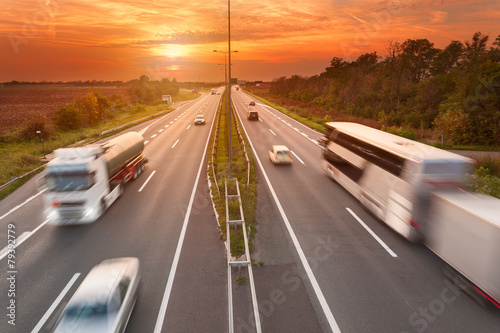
{"x":68,"y":118}
{"x":489,"y":164}
{"x":138,"y":108}
{"x":404,"y":132}
{"x":37,"y":123}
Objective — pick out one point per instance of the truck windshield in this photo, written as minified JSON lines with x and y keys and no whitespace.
{"x":62,"y":182}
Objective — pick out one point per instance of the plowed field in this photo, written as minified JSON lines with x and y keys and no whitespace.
{"x":20,"y":103}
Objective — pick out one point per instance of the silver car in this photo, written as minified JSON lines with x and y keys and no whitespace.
{"x":105,"y":299}
{"x":280,"y":154}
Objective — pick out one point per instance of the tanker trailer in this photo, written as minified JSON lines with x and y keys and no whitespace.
{"x":81,"y":183}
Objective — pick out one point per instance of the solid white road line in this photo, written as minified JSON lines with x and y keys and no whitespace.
{"x":381,"y":242}
{"x":147,"y":181}
{"x":297,"y":157}
{"x":319,"y":293}
{"x":175,"y":143}
{"x":55,"y":304}
{"x":175,"y":262}
{"x":22,"y":204}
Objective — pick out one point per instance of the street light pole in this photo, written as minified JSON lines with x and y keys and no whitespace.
{"x":227,"y":83}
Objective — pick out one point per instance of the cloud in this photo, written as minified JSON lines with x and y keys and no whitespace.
{"x":438,"y":17}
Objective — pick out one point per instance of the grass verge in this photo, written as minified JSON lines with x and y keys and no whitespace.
{"x":485,"y":179}
{"x":18,"y":157}
{"x":219,"y":165}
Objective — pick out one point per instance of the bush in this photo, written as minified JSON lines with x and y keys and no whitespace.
{"x":489,"y":165}
{"x":32,"y":126}
{"x":68,"y":118}
{"x":404,"y":132}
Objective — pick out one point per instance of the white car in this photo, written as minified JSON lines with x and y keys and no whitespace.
{"x":280,"y":154}
{"x":199,"y":119}
{"x":105,"y":299}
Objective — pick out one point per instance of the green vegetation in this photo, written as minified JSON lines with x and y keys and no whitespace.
{"x":77,"y":123}
{"x":453,"y":91}
{"x":486,"y":178}
{"x":219,"y":164}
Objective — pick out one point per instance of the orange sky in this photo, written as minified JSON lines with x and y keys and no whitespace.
{"x":68,"y":40}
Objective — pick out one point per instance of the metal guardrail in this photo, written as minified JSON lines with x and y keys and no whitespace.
{"x":131,"y":123}
{"x":242,"y":263}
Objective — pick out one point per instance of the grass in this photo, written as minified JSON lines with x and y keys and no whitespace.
{"x":219,"y":161}
{"x":486,"y":179}
{"x":18,"y":157}
{"x":313,"y":122}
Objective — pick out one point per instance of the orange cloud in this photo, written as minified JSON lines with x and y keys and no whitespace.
{"x":107,"y":39}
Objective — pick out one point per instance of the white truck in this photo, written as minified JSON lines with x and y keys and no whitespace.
{"x":464,"y":230}
{"x":81,"y":183}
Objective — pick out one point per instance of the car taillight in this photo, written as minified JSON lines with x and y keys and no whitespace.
{"x":55,"y":204}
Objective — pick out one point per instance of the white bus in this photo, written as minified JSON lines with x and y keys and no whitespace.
{"x":390,"y":175}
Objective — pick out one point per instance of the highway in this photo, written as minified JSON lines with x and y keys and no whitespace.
{"x":356,"y":280}
{"x":145,"y":224}
{"x":328,"y":265}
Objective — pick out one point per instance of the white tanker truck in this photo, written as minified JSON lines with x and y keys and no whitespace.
{"x":83,"y":182}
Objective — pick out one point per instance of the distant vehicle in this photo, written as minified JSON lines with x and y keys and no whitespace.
{"x":83,"y":182}
{"x":213,"y":92}
{"x":280,"y":154}
{"x":218,"y":93}
{"x":237,"y":88}
{"x":251,"y":103}
{"x":105,"y":299}
{"x":199,"y":120}
{"x":252,"y":115}
{"x":390,"y":175}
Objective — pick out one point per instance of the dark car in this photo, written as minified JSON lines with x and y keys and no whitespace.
{"x":252,"y":103}
{"x":252,"y":115}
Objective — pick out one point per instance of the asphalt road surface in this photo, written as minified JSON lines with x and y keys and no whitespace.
{"x":326,"y":265}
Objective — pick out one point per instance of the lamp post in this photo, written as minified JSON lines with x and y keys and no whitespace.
{"x":227,"y":83}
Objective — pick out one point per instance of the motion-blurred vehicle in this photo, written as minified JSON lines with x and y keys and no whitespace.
{"x":390,"y":175}
{"x":104,"y":301}
{"x":252,"y":115}
{"x":463,"y":229}
{"x":280,"y":154}
{"x":83,"y":182}
{"x":252,"y":103}
{"x":199,"y":120}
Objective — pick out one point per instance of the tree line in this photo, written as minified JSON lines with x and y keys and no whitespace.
{"x":455,"y":90}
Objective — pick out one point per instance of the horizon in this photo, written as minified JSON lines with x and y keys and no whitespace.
{"x":65,"y":40}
